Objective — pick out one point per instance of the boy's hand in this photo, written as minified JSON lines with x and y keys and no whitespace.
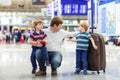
{"x":95,"y":47}
{"x":38,"y":42}
{"x":43,"y":42}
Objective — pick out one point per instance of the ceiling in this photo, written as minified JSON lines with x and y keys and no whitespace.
{"x":26,"y":6}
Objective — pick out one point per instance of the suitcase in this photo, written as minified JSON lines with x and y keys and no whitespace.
{"x":97,"y":58}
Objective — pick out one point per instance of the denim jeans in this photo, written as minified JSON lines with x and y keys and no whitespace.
{"x":81,"y":59}
{"x":33,"y":58}
{"x":55,"y":59}
{"x":42,"y":50}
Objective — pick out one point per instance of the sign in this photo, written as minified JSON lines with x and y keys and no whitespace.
{"x":38,"y":2}
{"x":5,"y":2}
{"x":105,"y":1}
{"x":76,"y":7}
{"x":49,"y":8}
{"x":70,"y":7}
{"x":107,"y":20}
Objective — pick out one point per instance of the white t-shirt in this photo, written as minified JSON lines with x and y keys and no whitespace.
{"x":55,"y":39}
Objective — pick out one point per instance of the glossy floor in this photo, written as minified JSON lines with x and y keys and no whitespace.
{"x":15,"y":64}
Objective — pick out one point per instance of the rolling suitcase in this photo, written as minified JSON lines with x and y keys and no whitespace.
{"x":97,"y":58}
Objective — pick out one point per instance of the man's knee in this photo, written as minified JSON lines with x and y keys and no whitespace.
{"x":55,"y":64}
{"x":56,"y":61}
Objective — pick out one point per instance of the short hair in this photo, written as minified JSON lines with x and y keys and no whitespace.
{"x":84,"y":25}
{"x":56,"y":20}
{"x":36,"y":22}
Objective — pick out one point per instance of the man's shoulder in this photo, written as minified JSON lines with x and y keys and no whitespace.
{"x":47,"y":30}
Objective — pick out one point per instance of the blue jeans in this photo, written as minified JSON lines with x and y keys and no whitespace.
{"x":55,"y":59}
{"x":35,"y":51}
{"x":81,"y":59}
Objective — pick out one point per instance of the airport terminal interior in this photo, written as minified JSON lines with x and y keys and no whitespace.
{"x":16,"y":24}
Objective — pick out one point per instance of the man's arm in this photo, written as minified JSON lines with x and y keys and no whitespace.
{"x":70,"y":34}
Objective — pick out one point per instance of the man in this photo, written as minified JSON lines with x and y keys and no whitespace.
{"x":55,"y":36}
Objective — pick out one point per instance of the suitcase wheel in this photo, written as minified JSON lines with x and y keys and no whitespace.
{"x":104,"y":70}
{"x":98,"y":72}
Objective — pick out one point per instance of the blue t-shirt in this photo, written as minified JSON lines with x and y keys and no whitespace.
{"x":37,"y":36}
{"x":82,"y":41}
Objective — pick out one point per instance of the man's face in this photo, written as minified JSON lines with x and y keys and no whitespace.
{"x":57,"y":28}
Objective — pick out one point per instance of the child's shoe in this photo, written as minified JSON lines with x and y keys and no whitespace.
{"x":84,"y":72}
{"x":77,"y":71}
{"x":33,"y":70}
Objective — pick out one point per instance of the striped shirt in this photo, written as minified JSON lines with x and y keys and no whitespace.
{"x":37,"y":36}
{"x":82,"y":41}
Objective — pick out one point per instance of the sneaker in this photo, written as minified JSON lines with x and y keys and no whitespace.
{"x":40,"y":73}
{"x":84,"y":72}
{"x":47,"y":63}
{"x":54,"y":72}
{"x":77,"y":71}
{"x":33,"y":70}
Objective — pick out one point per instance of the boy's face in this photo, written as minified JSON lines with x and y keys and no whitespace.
{"x":80,"y":28}
{"x":39,"y":26}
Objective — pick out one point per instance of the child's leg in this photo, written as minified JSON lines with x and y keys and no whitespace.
{"x":33,"y":61}
{"x":78,"y":61}
{"x":45,"y":55}
{"x":84,"y":61}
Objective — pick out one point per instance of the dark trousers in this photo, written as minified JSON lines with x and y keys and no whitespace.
{"x":43,"y":51}
{"x":81,"y":59}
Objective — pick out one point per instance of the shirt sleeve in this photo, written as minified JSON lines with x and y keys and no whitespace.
{"x":45,"y":35}
{"x":89,"y":35}
{"x":69,"y":34}
{"x":31,"y":36}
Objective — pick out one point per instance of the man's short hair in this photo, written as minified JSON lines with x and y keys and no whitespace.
{"x":56,"y":21}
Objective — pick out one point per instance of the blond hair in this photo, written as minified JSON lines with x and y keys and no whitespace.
{"x":84,"y":25}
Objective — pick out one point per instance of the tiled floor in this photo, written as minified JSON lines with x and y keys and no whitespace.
{"x":15,"y":64}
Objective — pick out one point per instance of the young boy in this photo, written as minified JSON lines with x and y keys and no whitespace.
{"x":82,"y":40}
{"x":38,"y":40}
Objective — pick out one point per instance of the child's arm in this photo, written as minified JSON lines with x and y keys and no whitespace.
{"x":35,"y":43}
{"x":73,"y":40}
{"x":93,"y":43}
{"x":32,"y":42}
{"x":45,"y":39}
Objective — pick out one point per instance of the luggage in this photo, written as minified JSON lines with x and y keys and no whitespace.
{"x":97,"y":58}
